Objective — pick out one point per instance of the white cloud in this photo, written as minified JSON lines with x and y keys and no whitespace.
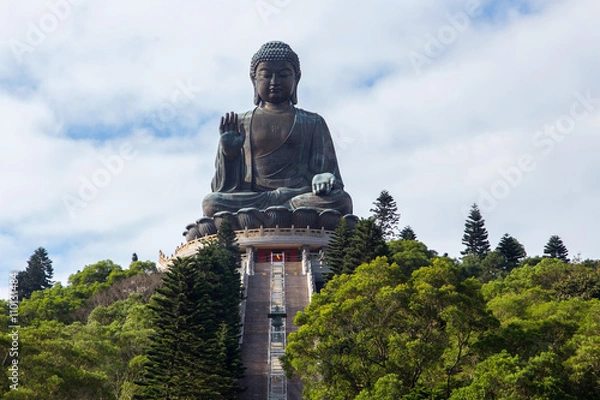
{"x":435,"y":140}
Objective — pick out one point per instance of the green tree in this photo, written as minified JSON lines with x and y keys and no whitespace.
{"x":485,"y":269}
{"x":59,"y":365}
{"x":549,"y":327}
{"x":593,"y":264}
{"x":386,"y":214}
{"x":410,"y":255}
{"x":97,"y":358}
{"x":227,"y":239}
{"x":408,"y":233}
{"x":97,"y":274}
{"x":228,"y":299}
{"x":494,"y":378}
{"x":583,"y":365}
{"x":512,"y":250}
{"x":579,"y":281}
{"x":337,"y":249}
{"x":57,"y":303}
{"x":475,"y":237}
{"x":120,"y":333}
{"x":471,"y":266}
{"x":377,"y":333}
{"x":38,"y":274}
{"x":555,"y":248}
{"x":194,"y":352}
{"x":141,"y":267}
{"x":366,"y":244}
{"x":494,"y":266}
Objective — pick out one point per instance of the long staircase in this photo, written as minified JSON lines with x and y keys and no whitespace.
{"x":275,"y":293}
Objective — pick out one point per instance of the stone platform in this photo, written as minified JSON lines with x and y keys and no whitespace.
{"x":272,"y":217}
{"x":251,"y":240}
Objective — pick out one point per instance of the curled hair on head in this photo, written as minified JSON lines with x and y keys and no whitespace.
{"x":275,"y":51}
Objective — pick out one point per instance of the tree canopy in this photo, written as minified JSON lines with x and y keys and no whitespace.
{"x":63,"y":355}
{"x":394,"y":321}
{"x":348,"y":248}
{"x":194,"y":350}
{"x":381,"y":331}
{"x":420,"y":328}
{"x":475,"y":237}
{"x":512,"y":251}
{"x":386,"y":214}
{"x":38,"y":274}
{"x":555,"y":248}
{"x":407,"y":233}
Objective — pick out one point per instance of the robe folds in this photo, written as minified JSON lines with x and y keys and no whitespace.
{"x":282,"y":176}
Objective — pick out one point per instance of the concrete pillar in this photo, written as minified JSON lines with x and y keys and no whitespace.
{"x":249,"y":260}
{"x":306,"y":265}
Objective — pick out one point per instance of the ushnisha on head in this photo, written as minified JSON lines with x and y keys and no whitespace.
{"x":275,"y":51}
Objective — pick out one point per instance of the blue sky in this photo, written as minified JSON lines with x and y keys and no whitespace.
{"x":110,"y":114}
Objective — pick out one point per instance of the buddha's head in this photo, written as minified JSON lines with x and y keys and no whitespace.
{"x":278,"y":58}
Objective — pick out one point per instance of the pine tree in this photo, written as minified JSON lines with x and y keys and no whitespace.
{"x":228,"y":240}
{"x":366,"y":244}
{"x":386,"y":214}
{"x":230,"y":332}
{"x":476,"y":236}
{"x":512,"y":250}
{"x":555,"y":248}
{"x":408,"y":234}
{"x":337,"y":248}
{"x":194,"y":352}
{"x":37,"y":275}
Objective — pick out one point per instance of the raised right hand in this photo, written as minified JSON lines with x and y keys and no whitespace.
{"x":231,"y":138}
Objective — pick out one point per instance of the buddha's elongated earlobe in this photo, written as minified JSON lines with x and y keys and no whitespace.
{"x":294,"y":97}
{"x":257,"y":98}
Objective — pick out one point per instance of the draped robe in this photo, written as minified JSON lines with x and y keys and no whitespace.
{"x":282,"y":176}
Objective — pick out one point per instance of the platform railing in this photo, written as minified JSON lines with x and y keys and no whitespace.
{"x":277,"y":329}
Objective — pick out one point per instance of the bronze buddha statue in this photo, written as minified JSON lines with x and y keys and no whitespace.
{"x":276,"y":154}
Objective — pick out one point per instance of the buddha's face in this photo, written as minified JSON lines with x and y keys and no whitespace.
{"x":275,"y":81}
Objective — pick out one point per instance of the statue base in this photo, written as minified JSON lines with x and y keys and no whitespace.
{"x":303,"y":245}
{"x":275,"y":216}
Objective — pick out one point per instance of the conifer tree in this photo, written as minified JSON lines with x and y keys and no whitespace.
{"x":230,"y":333}
{"x":408,"y":234}
{"x":386,"y":214}
{"x":37,"y":275}
{"x":555,"y":248}
{"x":228,"y":240}
{"x":194,"y":352}
{"x":337,"y":248}
{"x":475,"y":237}
{"x":512,"y":251}
{"x":366,"y":244}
